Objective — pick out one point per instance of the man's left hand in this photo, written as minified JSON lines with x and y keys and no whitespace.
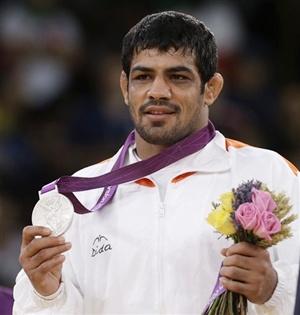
{"x":247,"y":269}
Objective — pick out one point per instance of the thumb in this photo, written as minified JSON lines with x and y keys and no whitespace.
{"x":224,"y":251}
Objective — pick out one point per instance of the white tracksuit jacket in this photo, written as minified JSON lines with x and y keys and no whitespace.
{"x":144,"y":255}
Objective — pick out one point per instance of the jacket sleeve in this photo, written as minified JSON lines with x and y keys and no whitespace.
{"x":67,"y":300}
{"x":285,"y":257}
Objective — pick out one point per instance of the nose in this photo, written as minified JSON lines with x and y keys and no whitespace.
{"x":159,"y":89}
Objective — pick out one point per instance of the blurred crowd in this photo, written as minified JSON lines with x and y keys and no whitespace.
{"x":60,"y":105}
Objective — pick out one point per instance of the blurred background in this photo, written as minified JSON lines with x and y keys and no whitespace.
{"x":60,"y":105}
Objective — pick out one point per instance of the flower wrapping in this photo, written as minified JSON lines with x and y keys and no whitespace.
{"x":249,"y":213}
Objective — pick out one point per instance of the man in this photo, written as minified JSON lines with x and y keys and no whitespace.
{"x":150,"y":249}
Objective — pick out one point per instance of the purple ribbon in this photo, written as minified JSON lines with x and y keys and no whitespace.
{"x":119,"y":174}
{"x":217,"y":291}
{"x":6,"y":301}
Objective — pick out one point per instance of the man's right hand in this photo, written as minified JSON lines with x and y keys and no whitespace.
{"x":42,"y":259}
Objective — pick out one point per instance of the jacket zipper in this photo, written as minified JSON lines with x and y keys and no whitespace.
{"x":161,"y":214}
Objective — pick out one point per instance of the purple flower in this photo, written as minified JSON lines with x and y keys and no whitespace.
{"x":263,"y":200}
{"x":247,"y":215}
{"x":257,"y":216}
{"x":243,"y":193}
{"x":268,"y":224}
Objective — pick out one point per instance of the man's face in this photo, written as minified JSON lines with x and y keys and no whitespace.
{"x":163,"y":93}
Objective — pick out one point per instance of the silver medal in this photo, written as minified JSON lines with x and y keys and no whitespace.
{"x":54,"y":211}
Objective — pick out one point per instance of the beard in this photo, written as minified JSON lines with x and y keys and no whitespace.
{"x":156,"y":134}
{"x":160,"y":132}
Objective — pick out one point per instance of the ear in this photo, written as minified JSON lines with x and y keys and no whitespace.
{"x":124,"y":86}
{"x":213,"y":88}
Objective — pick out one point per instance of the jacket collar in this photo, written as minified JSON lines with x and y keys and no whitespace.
{"x":212,"y":158}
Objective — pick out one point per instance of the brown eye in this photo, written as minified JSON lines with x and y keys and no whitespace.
{"x":142,"y":77}
{"x":179,"y":77}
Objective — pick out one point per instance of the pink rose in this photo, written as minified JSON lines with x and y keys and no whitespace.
{"x":263,"y":200}
{"x":248,"y":215}
{"x":268,"y":224}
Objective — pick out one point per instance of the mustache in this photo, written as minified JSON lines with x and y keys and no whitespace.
{"x":165,"y":103}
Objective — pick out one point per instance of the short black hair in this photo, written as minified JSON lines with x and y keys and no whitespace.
{"x":171,"y":29}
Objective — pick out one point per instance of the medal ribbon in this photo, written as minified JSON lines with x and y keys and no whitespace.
{"x":120,"y":174}
{"x":217,"y":291}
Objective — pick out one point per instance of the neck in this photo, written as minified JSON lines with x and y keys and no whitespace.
{"x":146,"y":150}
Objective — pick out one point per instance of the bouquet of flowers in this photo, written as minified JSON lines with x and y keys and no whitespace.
{"x":250,"y":213}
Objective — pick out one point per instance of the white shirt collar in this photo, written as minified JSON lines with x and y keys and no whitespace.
{"x":212,"y":158}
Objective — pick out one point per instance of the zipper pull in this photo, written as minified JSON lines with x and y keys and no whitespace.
{"x":161,"y":210}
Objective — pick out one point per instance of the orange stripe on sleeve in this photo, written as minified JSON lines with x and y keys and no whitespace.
{"x":234,"y":143}
{"x":292,"y":166}
{"x":237,"y":144}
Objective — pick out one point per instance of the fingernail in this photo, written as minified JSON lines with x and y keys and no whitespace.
{"x":47,"y":230}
